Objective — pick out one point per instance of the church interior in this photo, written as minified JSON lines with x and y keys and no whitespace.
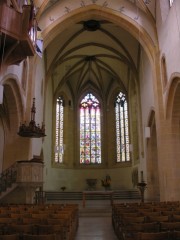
{"x":89,"y":98}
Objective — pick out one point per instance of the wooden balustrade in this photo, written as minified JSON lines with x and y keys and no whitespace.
{"x":16,"y":43}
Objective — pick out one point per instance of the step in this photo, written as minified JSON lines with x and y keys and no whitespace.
{"x":95,"y":214}
{"x":96,"y":210}
{"x":67,"y":195}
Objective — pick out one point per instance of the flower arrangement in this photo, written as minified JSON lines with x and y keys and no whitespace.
{"x":106,"y":182}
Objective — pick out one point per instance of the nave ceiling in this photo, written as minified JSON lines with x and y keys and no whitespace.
{"x":91,"y":50}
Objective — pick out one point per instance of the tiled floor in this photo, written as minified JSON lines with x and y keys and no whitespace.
{"x":95,"y":228}
{"x":95,"y":222}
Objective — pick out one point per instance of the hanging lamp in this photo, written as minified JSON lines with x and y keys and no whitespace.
{"x":32,"y":130}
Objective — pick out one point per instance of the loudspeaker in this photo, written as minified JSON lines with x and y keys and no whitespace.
{"x":147,"y":133}
{"x":1,"y":93}
{"x":130,"y":147}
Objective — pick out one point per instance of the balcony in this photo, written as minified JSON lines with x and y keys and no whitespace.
{"x":16,"y":32}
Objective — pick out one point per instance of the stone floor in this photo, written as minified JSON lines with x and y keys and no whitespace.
{"x":95,"y":228}
{"x":95,"y":220}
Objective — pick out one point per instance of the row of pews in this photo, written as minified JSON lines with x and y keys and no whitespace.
{"x":147,"y":221}
{"x":31,"y":222}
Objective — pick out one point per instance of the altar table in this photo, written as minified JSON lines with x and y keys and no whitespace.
{"x":105,"y":193}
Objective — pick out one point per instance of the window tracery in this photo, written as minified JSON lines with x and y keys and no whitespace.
{"x":59,"y":130}
{"x":90,"y":130}
{"x":122,"y":128}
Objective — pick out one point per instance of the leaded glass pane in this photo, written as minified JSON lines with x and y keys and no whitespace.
{"x":90,"y":130}
{"x":59,"y":130}
{"x":122,"y":128}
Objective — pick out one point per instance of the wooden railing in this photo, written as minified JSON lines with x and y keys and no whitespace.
{"x":18,"y":33}
{"x":46,"y":196}
{"x":8,"y":177}
{"x":26,"y":174}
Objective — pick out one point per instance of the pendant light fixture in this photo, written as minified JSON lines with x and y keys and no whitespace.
{"x":32,"y":130}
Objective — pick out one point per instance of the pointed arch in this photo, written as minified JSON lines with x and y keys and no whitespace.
{"x":146,"y":34}
{"x":173,"y":95}
{"x":92,"y":11}
{"x":10,"y":82}
{"x":13,"y":111}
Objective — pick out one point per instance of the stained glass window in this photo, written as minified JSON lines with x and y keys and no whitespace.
{"x":59,"y":130}
{"x":90,"y":130}
{"x":122,"y":128}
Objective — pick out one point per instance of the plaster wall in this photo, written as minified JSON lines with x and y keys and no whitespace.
{"x":15,"y":70}
{"x":39,"y":102}
{"x":49,"y":177}
{"x":146,"y":88}
{"x":169,"y":40}
{"x":169,"y":35}
{"x":71,"y":174}
{"x":75,"y":179}
{"x":147,"y":104}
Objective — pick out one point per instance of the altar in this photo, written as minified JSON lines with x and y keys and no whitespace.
{"x":104,"y":193}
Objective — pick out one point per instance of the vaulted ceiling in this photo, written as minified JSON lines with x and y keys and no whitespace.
{"x":91,"y":51}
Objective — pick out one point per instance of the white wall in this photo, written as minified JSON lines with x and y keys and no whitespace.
{"x":147,"y":102}
{"x":75,"y":179}
{"x":146,"y":88}
{"x":39,"y":85}
{"x":169,"y":38}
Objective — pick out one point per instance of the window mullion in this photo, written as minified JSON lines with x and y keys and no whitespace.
{"x":124,"y":132}
{"x":90,"y":133}
{"x":59,"y":112}
{"x":120,"y":132}
{"x":84,"y":147}
{"x":90,"y":103}
{"x":95,"y":132}
{"x":85,"y":140}
{"x":59,"y":130}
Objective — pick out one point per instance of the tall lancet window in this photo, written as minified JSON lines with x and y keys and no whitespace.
{"x":90,"y":130}
{"x":122,"y":128}
{"x":59,"y":130}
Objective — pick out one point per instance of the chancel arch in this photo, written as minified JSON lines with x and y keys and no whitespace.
{"x":80,"y":59}
{"x":102,"y":48}
{"x":52,"y":31}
